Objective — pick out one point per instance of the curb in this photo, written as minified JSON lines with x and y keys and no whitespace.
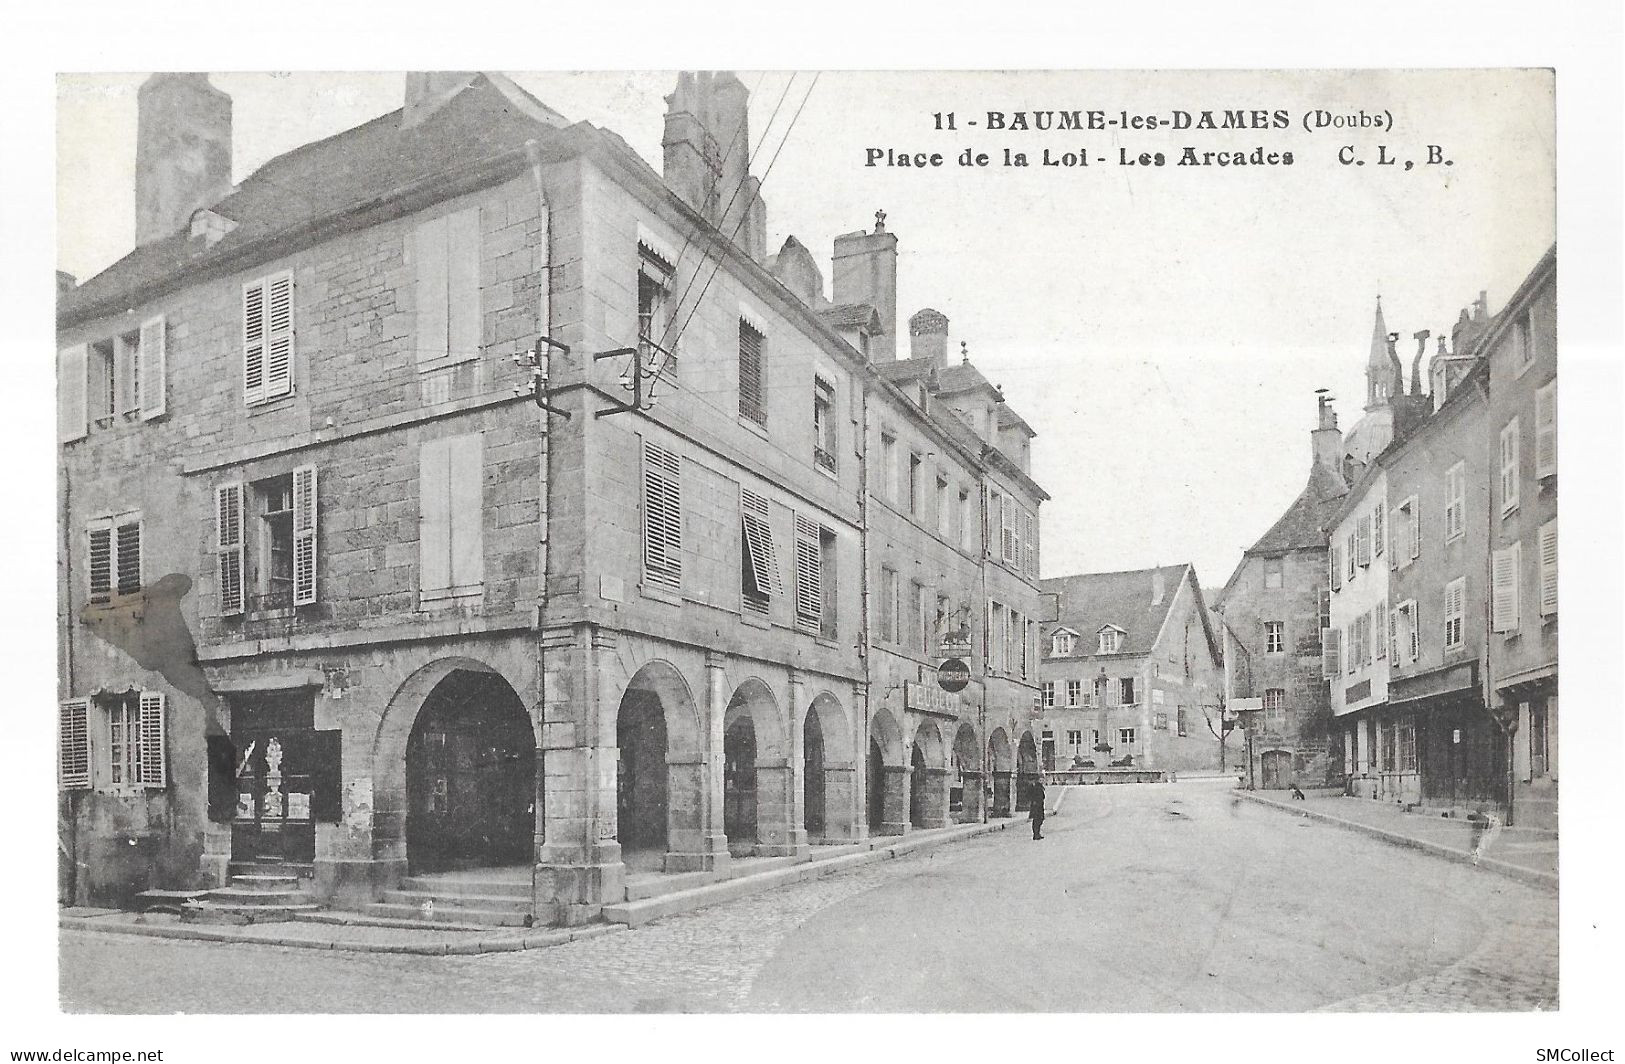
{"x":1531,"y":876}
{"x":496,"y":942}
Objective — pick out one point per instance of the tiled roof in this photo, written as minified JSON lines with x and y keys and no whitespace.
{"x":1089,"y":602}
{"x":851,"y":316}
{"x":1309,"y":518}
{"x":365,"y":164}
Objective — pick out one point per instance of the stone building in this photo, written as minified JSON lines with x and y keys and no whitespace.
{"x":1130,"y":673}
{"x":369,"y":611}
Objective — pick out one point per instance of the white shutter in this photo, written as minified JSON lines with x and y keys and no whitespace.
{"x":1504,"y":588}
{"x":1379,"y":631}
{"x":126,"y":354}
{"x":1393,"y":540}
{"x":99,"y":539}
{"x":153,"y":358}
{"x":1509,"y":466}
{"x":1378,"y":533}
{"x":1330,"y":652}
{"x":1416,"y":526}
{"x":662,"y":516}
{"x":278,"y":335}
{"x":1546,"y":430}
{"x":758,"y":538}
{"x":464,"y":332}
{"x":1336,"y":557}
{"x":73,"y":745}
{"x":72,"y":388}
{"x":1031,"y":562}
{"x":228,"y":545}
{"x":1548,"y":568}
{"x":127,"y":557}
{"x":434,"y":516}
{"x":154,"y":765}
{"x":809,"y":592}
{"x":304,"y":535}
{"x":254,"y":342}
{"x":429,"y":245}
{"x":466,"y":462}
{"x":1414,"y":633}
{"x":1363,"y":530}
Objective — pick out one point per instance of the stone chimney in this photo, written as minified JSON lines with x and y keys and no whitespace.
{"x":1326,"y":440}
{"x":927,"y":335}
{"x":1159,"y":586}
{"x":428,"y":91}
{"x":865,"y":268}
{"x":706,"y":156}
{"x":182,"y":153}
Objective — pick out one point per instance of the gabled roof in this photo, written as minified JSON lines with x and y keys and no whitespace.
{"x":1310,"y":517}
{"x":1089,"y":602}
{"x":365,"y":164}
{"x":852,"y":316}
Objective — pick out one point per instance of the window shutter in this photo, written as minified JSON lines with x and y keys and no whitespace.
{"x":465,"y":462}
{"x":750,"y":374}
{"x":1393,"y":635}
{"x":662,"y":516}
{"x":127,"y":557}
{"x":1364,"y":535}
{"x":432,"y":324}
{"x":154,"y":359}
{"x":73,"y":745}
{"x":1416,"y":527}
{"x":1377,"y":532}
{"x":1509,"y":466}
{"x":1007,"y":532}
{"x":758,"y":540}
{"x":153,"y":762}
{"x":1548,"y":568}
{"x":228,"y":545}
{"x":72,"y":388}
{"x":279,"y":335}
{"x":1328,"y":652}
{"x":327,"y":776}
{"x":809,"y":593}
{"x":304,"y":535}
{"x":1379,"y":634}
{"x":1504,"y":589}
{"x":465,"y":334}
{"x":254,"y":342}
{"x":101,"y":561}
{"x":1337,"y":567}
{"x":434,"y":516}
{"x":1546,"y":430}
{"x":1414,"y":633}
{"x":1032,"y":545}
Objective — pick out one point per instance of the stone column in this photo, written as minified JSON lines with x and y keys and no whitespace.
{"x":696,"y":838}
{"x":971,"y":803}
{"x":934,"y":810}
{"x":1004,"y":784}
{"x":841,"y":820}
{"x":894,"y":800}
{"x":794,"y":814}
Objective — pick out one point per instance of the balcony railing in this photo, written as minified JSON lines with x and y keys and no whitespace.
{"x":823,"y":459}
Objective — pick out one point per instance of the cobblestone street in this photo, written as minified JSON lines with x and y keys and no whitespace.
{"x":1146,"y":898}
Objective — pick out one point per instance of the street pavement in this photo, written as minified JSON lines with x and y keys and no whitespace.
{"x":1161,"y":898}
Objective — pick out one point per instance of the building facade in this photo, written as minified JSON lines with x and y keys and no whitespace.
{"x":1130,"y":673}
{"x":504,"y":503}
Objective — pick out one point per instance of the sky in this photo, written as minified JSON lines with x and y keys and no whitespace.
{"x":1163,"y":328}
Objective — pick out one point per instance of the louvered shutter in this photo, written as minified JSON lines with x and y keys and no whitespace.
{"x":1015,"y":533}
{"x":100,"y":540}
{"x":432,"y":322}
{"x":464,"y":324}
{"x":228,"y":545}
{"x":1504,"y":589}
{"x":1548,"y":568}
{"x":127,"y":557}
{"x":1363,"y":532}
{"x":1416,"y":527}
{"x":1414,"y":634}
{"x":809,"y":590}
{"x":662,"y":516}
{"x":1546,"y":430}
{"x":72,"y":388}
{"x":154,"y":764}
{"x":465,"y":461}
{"x":73,"y":745}
{"x":1393,"y":635}
{"x":154,"y":359}
{"x":1379,"y":633}
{"x":750,"y":374}
{"x":1378,"y":533}
{"x":279,"y":335}
{"x":1330,"y":639}
{"x":759,"y":548}
{"x":304,"y":535}
{"x":1336,"y":558}
{"x":254,"y":342}
{"x":1032,"y":545}
{"x":1509,"y":466}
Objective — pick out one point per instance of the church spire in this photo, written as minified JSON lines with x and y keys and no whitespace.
{"x":1380,"y":379}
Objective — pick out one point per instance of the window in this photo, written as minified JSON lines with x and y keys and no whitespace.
{"x":115,"y":556}
{"x":1407,"y":633}
{"x":888,"y":465}
{"x":1335,"y":560}
{"x":996,"y":637}
{"x":815,"y":582}
{"x":1331,"y":652}
{"x":824,"y":424}
{"x":1183,"y":721}
{"x":1509,"y":467}
{"x":1126,"y":686}
{"x":1548,"y":568}
{"x":759,"y":578}
{"x":1377,"y":533}
{"x":1062,"y":643}
{"x":970,"y":529}
{"x":135,"y":739}
{"x":1074,"y":740}
{"x":1125,"y":736}
{"x":447,"y":253}
{"x":751,"y":348}
{"x":1325,"y":609}
{"x":1074,"y":692}
{"x":274,"y":571}
{"x":1456,"y":507}
{"x":919,"y":618}
{"x":451,"y":490}
{"x":73,"y":745}
{"x":1275,"y":710}
{"x":888,"y":605}
{"x":1273,"y":572}
{"x":1159,"y":720}
{"x":1455,"y":594}
{"x":940,"y":510}
{"x":1405,"y":745}
{"x":914,"y":499}
{"x":655,"y":313}
{"x":1546,"y":430}
{"x":268,"y":346}
{"x":1407,"y":532}
{"x":1523,"y":346}
{"x":1506,"y":565}
{"x":1274,"y":637}
{"x":1363,"y":535}
{"x":1352,"y":553}
{"x":1046,"y":693}
{"x":1109,"y":640}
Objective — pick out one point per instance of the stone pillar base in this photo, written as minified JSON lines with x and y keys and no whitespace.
{"x":571,"y":886}
{"x":893,"y":827}
{"x":696,"y":862}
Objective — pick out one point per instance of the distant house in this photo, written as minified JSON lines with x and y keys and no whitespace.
{"x":1129,"y":669}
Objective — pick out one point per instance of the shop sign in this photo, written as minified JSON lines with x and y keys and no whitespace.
{"x":928,"y":698}
{"x":953,"y":675}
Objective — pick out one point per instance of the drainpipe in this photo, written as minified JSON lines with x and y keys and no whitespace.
{"x":981,"y":713}
{"x":860,"y":450}
{"x":1488,"y":683}
{"x":544,"y":327}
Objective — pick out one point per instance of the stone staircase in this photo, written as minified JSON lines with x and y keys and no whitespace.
{"x":255,"y":894}
{"x":459,"y":900}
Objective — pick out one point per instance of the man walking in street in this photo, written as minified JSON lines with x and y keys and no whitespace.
{"x":1036,"y":799}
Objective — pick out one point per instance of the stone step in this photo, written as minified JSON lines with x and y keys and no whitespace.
{"x":237,"y":895}
{"x":355,"y":919}
{"x":467,"y":888}
{"x":207,"y":911}
{"x":504,"y":902}
{"x":449,"y":914}
{"x":262,"y":882}
{"x":168,"y":900}
{"x":301,"y":870}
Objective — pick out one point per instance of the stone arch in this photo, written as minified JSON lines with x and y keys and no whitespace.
{"x":886,"y":779}
{"x":757,"y":799}
{"x":828,"y":771}
{"x":660,"y":780}
{"x":1003,"y":758}
{"x":1027,"y":770}
{"x":928,"y":777}
{"x":967,"y":789}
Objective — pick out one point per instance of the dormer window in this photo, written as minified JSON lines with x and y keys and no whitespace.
{"x":1110,"y":640}
{"x":1063,"y":643}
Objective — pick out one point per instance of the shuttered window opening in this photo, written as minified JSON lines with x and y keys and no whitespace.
{"x":115,"y":557}
{"x":447,"y":257}
{"x":662,"y":516}
{"x":72,"y":387}
{"x":135,"y":740}
{"x":304,"y":535}
{"x":1546,"y":430}
{"x":268,"y":348}
{"x":1378,"y":534}
{"x":1331,"y":645}
{"x":1352,"y":556}
{"x":759,"y":568}
{"x":1455,"y":598}
{"x":1379,"y":629}
{"x":1456,"y":506}
{"x":751,"y":344}
{"x":1363,"y":531}
{"x":1334,"y":559}
{"x":1504,"y":570}
{"x":809,"y":576}
{"x":1509,"y":467}
{"x":1548,"y":569}
{"x":1415,"y":507}
{"x":451,"y":518}
{"x":73,"y":744}
{"x":101,"y":563}
{"x":127,"y":549}
{"x":1393,"y":635}
{"x":228,"y":546}
{"x":1413,"y":631}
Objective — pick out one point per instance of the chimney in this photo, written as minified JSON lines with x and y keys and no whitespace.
{"x":865,"y":268}
{"x":428,"y":91}
{"x":182,"y":153}
{"x":1421,"y":339}
{"x":1158,"y":586}
{"x":745,"y":215}
{"x":1326,"y":441}
{"x":927,"y":335}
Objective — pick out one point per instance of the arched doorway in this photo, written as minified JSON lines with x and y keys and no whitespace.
{"x":471,"y":776}
{"x":928,"y":777}
{"x":967,"y":783}
{"x":1004,"y":770}
{"x":641,"y":798}
{"x":917,"y":787}
{"x":876,"y":789}
{"x":887,"y":777}
{"x":739,"y":786}
{"x":1276,"y":769}
{"x":1026,"y":770}
{"x":812,"y":777}
{"x":661,"y":796}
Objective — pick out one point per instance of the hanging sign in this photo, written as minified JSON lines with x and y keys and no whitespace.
{"x":953,"y":675}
